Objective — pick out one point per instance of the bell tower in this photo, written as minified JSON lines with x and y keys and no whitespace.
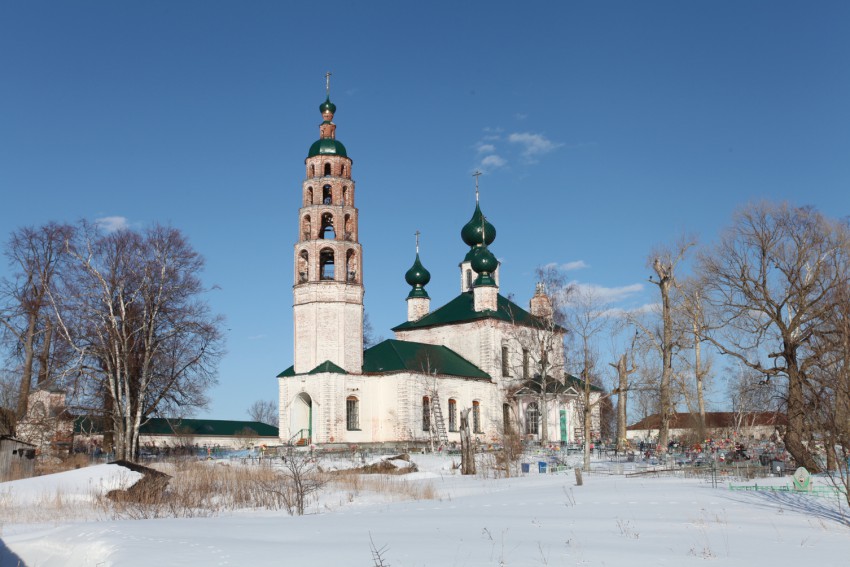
{"x":328,"y":289}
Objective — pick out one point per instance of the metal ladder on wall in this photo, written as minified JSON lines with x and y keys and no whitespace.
{"x":438,"y":426}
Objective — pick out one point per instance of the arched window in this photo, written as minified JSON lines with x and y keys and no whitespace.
{"x":327,"y":230}
{"x":342,"y":170}
{"x":476,"y":417}
{"x":452,"y":414}
{"x":426,"y":413}
{"x":327,"y":195}
{"x":308,"y":197}
{"x":505,"y":361}
{"x":326,"y":264}
{"x":303,"y":266}
{"x":312,"y":170}
{"x":532,"y":419}
{"x":506,"y":419}
{"x":351,"y":266}
{"x":306,"y":227}
{"x":352,"y":414}
{"x":468,"y":279}
{"x":345,"y":195}
{"x":327,"y":169}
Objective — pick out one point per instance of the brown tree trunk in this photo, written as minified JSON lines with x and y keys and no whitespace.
{"x":26,"y":373}
{"x":467,"y":451}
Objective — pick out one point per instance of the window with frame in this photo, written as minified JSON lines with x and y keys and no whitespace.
{"x":476,"y":417}
{"x":426,"y":413}
{"x":452,"y":415}
{"x":352,"y":413}
{"x":506,"y":419}
{"x":505,"y":369}
{"x":532,"y":419}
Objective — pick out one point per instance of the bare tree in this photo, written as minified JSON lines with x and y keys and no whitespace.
{"x":691,"y":317}
{"x":771,"y":282}
{"x":35,"y":254}
{"x":132,"y":310}
{"x":264,"y":411}
{"x":664,"y":262}
{"x":541,"y":341}
{"x":587,"y":316}
{"x":467,"y":450}
{"x":624,"y":367}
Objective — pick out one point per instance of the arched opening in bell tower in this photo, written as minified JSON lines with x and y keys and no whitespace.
{"x":306,"y":227}
{"x":327,"y":195}
{"x":308,"y":197}
{"x":345,"y":195}
{"x":327,"y":230}
{"x":326,"y":264}
{"x":348,"y":233}
{"x":303,"y":266}
{"x":327,"y":169}
{"x":351,"y":266}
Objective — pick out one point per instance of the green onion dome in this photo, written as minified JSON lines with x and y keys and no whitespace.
{"x":327,"y":106}
{"x":471,"y":233}
{"x":418,"y":277}
{"x":483,"y":261}
{"x":327,"y":146}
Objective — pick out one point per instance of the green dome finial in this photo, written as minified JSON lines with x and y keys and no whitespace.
{"x":417,"y":276}
{"x":327,"y":106}
{"x":478,"y":231}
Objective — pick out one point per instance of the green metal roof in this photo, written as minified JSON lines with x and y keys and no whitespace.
{"x":327,"y":366}
{"x":163,"y":426}
{"x":555,"y":386}
{"x":327,"y":146}
{"x":287,"y":373}
{"x":461,"y":309}
{"x":398,"y":356}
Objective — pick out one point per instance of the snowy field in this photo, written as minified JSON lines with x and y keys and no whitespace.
{"x":536,"y":519}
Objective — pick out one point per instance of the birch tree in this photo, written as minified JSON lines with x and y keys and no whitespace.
{"x":132,"y":309}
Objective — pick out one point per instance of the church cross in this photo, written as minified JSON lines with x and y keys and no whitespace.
{"x":476,"y":175}
{"x":417,"y":241}
{"x":328,"y":83}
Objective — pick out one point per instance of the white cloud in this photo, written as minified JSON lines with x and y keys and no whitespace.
{"x":532,"y":144}
{"x":491,"y":162}
{"x":485,"y":148}
{"x":607,"y":295}
{"x":112,"y":224}
{"x":520,"y":116}
{"x":576,"y":265}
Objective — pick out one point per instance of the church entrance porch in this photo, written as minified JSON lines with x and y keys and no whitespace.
{"x":301,"y":420}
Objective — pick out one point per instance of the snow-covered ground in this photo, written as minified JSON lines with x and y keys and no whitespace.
{"x":534,"y":519}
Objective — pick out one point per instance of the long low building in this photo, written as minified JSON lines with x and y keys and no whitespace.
{"x":718,"y":424}
{"x":162,"y":433}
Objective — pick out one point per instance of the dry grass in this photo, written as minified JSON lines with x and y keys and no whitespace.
{"x":392,"y":486}
{"x":207,"y":488}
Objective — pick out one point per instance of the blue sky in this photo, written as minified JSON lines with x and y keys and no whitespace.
{"x":603,"y":129}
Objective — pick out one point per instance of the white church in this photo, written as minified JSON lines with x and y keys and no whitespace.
{"x":480,"y":351}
